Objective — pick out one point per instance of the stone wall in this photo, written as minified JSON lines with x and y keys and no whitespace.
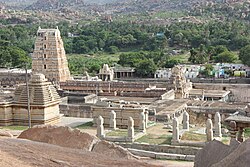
{"x":162,"y":148}
{"x":99,"y":86}
{"x":74,"y":110}
{"x":142,"y":94}
{"x":12,"y":79}
{"x":168,"y":95}
{"x":6,"y":114}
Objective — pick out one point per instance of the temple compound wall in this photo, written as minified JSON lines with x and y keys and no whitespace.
{"x":44,"y":104}
{"x":12,"y":77}
{"x":99,"y":86}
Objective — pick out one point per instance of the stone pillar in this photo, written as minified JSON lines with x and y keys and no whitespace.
{"x":131,"y":131}
{"x":100,"y":128}
{"x":203,"y":95}
{"x":142,"y":122}
{"x":217,"y":125}
{"x":175,"y":134}
{"x":185,"y":120}
{"x":209,"y":130}
{"x":146,"y":119}
{"x":112,"y":120}
{"x":233,"y":131}
{"x":240,"y":136}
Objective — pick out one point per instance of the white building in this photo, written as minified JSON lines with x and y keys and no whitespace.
{"x":191,"y":71}
{"x":163,"y":73}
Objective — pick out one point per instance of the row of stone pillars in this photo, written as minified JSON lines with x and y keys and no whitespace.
{"x":112,"y":125}
{"x":209,"y":127}
{"x":143,"y":122}
{"x":176,"y":133}
{"x":217,"y":127}
{"x":100,"y":128}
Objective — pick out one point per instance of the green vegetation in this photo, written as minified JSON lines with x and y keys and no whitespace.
{"x":119,"y":132}
{"x":207,"y":72}
{"x":14,"y":127}
{"x":247,"y":132}
{"x":85,"y":125}
{"x":144,"y":47}
{"x":155,"y":139}
{"x":191,"y":136}
{"x":244,"y":55}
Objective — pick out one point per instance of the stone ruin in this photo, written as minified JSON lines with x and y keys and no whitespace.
{"x":179,"y":83}
{"x":176,"y":135}
{"x":100,"y":128}
{"x":112,"y":126}
{"x":106,"y":73}
{"x":112,"y":121}
{"x":44,"y":104}
{"x":209,"y":130}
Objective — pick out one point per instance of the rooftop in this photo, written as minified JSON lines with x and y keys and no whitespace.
{"x":208,"y":93}
{"x":238,"y":118}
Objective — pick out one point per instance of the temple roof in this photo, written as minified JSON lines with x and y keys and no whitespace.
{"x":238,"y":118}
{"x":41,"y":92}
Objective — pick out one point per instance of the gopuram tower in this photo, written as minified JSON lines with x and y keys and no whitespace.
{"x":49,"y":56}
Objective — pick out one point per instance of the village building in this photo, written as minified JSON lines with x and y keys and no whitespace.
{"x":163,"y":73}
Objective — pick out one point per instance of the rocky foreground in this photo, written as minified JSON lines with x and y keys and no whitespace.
{"x":62,"y":146}
{"x":25,"y":153}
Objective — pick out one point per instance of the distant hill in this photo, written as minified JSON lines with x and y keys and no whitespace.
{"x":55,"y":4}
{"x":120,"y":6}
{"x":17,"y":3}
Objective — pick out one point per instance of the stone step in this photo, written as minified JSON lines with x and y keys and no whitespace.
{"x":157,"y":155}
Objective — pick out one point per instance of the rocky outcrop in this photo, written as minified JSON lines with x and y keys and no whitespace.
{"x":74,"y":138}
{"x":217,"y":154}
{"x":61,"y":136}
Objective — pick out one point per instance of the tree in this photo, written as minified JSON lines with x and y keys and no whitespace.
{"x":146,"y":68}
{"x":198,"y":56}
{"x":225,"y":57}
{"x":244,"y":55}
{"x":113,"y":49}
{"x":207,"y":72}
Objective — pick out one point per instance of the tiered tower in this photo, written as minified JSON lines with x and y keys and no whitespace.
{"x":179,"y":83}
{"x":44,"y":102}
{"x":49,"y":56}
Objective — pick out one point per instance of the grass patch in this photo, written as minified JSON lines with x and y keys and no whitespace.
{"x":154,"y":139}
{"x":14,"y":127}
{"x":119,"y":132}
{"x":191,"y":136}
{"x":183,"y":58}
{"x":150,"y":123}
{"x":225,"y":140}
{"x":247,"y":132}
{"x":87,"y":125}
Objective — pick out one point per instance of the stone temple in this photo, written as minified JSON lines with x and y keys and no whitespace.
{"x":44,"y":104}
{"x":49,"y":56}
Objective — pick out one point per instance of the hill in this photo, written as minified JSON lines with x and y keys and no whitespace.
{"x":55,"y":4}
{"x":120,"y":6}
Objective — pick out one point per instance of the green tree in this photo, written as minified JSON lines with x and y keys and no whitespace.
{"x":146,"y":68}
{"x":225,"y":57}
{"x":244,"y":55}
{"x":207,"y":72}
{"x":113,"y":49}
